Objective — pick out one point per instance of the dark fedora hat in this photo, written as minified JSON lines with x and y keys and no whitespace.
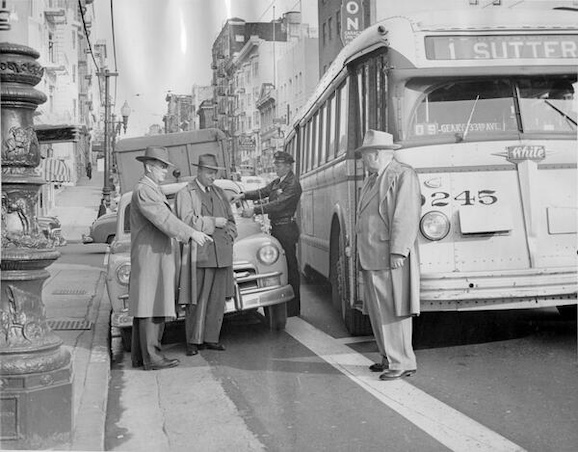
{"x":282,"y":157}
{"x":376,"y":139}
{"x":159,"y":153}
{"x":208,"y":161}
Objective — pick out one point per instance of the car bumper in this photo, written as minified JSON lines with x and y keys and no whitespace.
{"x":241,"y":302}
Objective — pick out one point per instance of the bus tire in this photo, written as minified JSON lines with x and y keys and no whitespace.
{"x":126,"y":338}
{"x":567,"y":312}
{"x":357,"y":323}
{"x":276,"y":316}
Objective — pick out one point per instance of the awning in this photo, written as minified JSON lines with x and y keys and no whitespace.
{"x":55,"y":170}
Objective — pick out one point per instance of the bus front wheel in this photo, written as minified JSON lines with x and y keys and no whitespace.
{"x":355,"y":321}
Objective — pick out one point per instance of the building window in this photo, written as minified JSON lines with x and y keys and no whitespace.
{"x":324,"y":35}
{"x":330,"y":28}
{"x":338,"y":24}
{"x":74,"y":73}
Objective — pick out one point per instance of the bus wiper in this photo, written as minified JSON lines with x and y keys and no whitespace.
{"x":561,"y":112}
{"x":462,"y":137}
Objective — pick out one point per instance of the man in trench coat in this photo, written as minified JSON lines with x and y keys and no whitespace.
{"x":206,"y":278}
{"x":388,"y":216}
{"x":152,"y":278}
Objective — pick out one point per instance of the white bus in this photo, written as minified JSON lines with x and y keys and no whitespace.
{"x":482,"y":104}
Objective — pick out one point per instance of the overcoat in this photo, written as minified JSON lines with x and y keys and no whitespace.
{"x":392,"y":229}
{"x":283,"y":197}
{"x":153,"y":227}
{"x":188,"y":207}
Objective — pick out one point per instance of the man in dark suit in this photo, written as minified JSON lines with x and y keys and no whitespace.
{"x":279,"y":200}
{"x":388,"y":216}
{"x":207,"y":272}
{"x":151,"y":289}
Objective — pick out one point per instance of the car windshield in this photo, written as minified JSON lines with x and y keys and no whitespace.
{"x":481,"y":109}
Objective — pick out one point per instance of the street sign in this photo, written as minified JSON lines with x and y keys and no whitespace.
{"x":352,"y":23}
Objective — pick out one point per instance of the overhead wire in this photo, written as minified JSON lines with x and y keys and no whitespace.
{"x":86,"y":34}
{"x":113,"y":49}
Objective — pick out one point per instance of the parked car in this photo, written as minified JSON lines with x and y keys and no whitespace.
{"x":259,"y":267}
{"x":52,"y":229}
{"x":102,"y":230}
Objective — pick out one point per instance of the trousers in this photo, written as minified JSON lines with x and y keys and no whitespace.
{"x":147,"y":333}
{"x":288,"y":235}
{"x":393,"y":333}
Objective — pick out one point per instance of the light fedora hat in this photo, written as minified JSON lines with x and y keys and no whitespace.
{"x":376,"y":139}
{"x":159,"y":153}
{"x":208,"y":161}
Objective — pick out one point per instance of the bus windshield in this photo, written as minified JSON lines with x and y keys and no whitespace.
{"x":479,"y":109}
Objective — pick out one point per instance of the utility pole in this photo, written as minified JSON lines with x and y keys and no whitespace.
{"x":106,"y":189}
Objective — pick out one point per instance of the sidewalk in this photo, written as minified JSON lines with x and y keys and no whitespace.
{"x":78,"y":310}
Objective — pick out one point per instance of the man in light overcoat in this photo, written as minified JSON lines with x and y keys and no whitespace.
{"x":206,"y":278}
{"x":153,"y":227}
{"x":388,"y":216}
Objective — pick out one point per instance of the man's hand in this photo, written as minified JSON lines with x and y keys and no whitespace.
{"x":248,"y":212}
{"x":201,"y":238}
{"x":397,"y":260}
{"x":237,"y":198}
{"x":220,"y":222}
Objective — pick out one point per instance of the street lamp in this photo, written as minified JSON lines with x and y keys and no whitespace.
{"x":115,"y":128}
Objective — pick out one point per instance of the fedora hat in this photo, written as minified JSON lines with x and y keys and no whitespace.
{"x":159,"y":153}
{"x":208,"y":161}
{"x":282,"y":157}
{"x":376,"y":139}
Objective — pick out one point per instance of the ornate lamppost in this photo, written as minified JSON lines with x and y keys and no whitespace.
{"x":116,"y":126}
{"x":35,"y":371}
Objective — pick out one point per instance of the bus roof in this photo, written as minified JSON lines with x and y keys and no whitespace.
{"x":454,"y":21}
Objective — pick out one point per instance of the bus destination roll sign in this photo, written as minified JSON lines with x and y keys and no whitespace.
{"x":493,"y":47}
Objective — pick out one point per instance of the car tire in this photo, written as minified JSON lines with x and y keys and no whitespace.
{"x":567,"y":312}
{"x":126,"y":338}
{"x":276,"y":316}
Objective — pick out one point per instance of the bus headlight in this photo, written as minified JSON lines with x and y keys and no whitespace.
{"x":434,"y":225}
{"x":268,"y":254}
{"x":123,"y":274}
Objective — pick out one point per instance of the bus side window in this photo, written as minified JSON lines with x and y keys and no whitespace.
{"x":341,"y":118}
{"x":332,"y":121}
{"x":322,"y":135}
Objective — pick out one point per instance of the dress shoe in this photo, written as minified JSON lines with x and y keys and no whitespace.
{"x":379,"y":367}
{"x":164,"y":364}
{"x":192,"y":350}
{"x":394,"y":374}
{"x":214,"y":346}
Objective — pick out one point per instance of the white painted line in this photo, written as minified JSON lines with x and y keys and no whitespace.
{"x":354,"y":339}
{"x":445,"y":424}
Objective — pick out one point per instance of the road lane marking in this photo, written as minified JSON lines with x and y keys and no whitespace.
{"x":445,"y":424}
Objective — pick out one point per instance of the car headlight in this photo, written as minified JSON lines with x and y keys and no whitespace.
{"x":434,"y":225}
{"x":123,"y":274}
{"x":268,"y":254}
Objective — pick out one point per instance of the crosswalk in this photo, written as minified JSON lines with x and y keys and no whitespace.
{"x":443,"y":423}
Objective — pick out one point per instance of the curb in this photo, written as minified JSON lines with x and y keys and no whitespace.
{"x":90,"y":419}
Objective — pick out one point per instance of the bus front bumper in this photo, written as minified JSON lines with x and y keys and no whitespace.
{"x":472,"y":291}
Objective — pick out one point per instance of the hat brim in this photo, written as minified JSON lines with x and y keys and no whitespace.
{"x":144,"y":158}
{"x":217,"y":168}
{"x":360,"y":149}
{"x":283,"y":161}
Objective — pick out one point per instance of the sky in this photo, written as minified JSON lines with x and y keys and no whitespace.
{"x":165,"y":45}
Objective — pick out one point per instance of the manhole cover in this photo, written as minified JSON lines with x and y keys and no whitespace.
{"x":69,"y":292}
{"x":69,"y":324}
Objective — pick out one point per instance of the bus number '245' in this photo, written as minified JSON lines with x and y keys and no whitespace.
{"x":465,"y":198}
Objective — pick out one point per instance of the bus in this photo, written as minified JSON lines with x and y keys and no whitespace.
{"x":483,"y":107}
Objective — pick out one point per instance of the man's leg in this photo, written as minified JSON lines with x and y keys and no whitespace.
{"x":216,"y":305}
{"x":288,"y":235}
{"x":151,"y":330}
{"x":135,"y":349}
{"x":195,"y":318}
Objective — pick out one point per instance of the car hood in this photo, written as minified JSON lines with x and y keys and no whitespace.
{"x":246,"y":227}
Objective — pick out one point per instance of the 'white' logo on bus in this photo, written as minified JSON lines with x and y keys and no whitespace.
{"x":525,"y":152}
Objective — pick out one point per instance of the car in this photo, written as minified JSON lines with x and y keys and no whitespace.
{"x":52,"y":229}
{"x":259,"y":267}
{"x":102,"y":230}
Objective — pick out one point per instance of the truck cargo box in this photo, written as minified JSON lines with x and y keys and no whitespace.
{"x":184,"y":149}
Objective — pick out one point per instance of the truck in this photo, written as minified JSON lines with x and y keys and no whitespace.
{"x":184,"y":149}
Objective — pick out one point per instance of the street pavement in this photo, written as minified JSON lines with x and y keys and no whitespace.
{"x":78,"y":310}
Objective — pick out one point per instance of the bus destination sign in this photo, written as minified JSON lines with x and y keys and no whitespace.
{"x":494,"y":47}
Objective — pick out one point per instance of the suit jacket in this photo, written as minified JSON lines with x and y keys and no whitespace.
{"x":282,"y":197}
{"x":153,"y":269}
{"x":388,"y":216}
{"x":195,"y":209}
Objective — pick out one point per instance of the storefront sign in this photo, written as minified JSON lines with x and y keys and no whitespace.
{"x":493,"y":47}
{"x":351,"y":20}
